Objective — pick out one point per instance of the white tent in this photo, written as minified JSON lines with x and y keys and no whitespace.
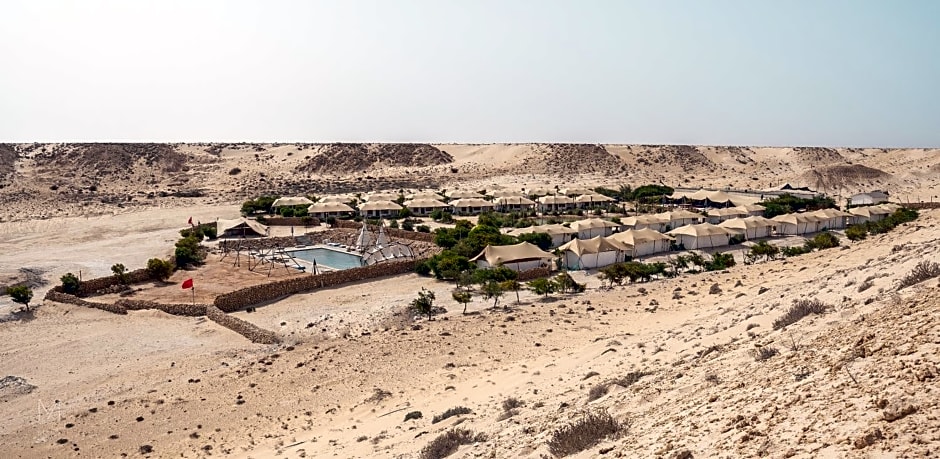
{"x":471,"y":206}
{"x":831,"y":218}
{"x":518,"y":257}
{"x":592,"y":227}
{"x":750,"y":227}
{"x":716,"y":216}
{"x":328,"y":209}
{"x":591,"y":200}
{"x":382,"y":196}
{"x":679,"y":218}
{"x":240,"y":227}
{"x":379,"y":208}
{"x":868,"y":214}
{"x":701,"y":236}
{"x":344,"y":198}
{"x":462,"y":194}
{"x":560,"y":234}
{"x":508,"y":203}
{"x":593,"y":253}
{"x":424,"y":206}
{"x":752,"y":210}
{"x":291,"y":201}
{"x":643,"y":241}
{"x":653,"y":222}
{"x":505,"y":193}
{"x":552,"y":203}
{"x":424,"y":195}
{"x":798,"y":223}
{"x":575,"y":191}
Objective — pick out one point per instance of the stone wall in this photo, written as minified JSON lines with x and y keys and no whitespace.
{"x":91,"y":286}
{"x":176,"y":309}
{"x":292,"y":221}
{"x":535,"y":273}
{"x":254,"y":333}
{"x":257,"y":294}
{"x":59,"y":297}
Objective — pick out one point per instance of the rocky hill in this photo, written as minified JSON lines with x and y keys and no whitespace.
{"x":343,"y":158}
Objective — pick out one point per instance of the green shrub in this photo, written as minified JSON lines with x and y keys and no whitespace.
{"x":70,"y":283}
{"x":856,"y":232}
{"x":795,"y":250}
{"x":120,"y":272}
{"x":423,"y":229}
{"x":762,"y":250}
{"x":448,"y":442}
{"x":822,"y":241}
{"x":541,"y":286}
{"x":159,"y":269}
{"x":424,"y":303}
{"x":583,"y":433}
{"x":20,"y":294}
{"x":720,"y":261}
{"x":188,"y":252}
{"x":800,"y":309}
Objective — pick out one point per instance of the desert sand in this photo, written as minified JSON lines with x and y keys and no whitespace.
{"x":857,"y":381}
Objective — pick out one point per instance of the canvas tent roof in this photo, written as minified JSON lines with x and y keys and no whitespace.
{"x":379,"y":205}
{"x":634,"y":237}
{"x":381,"y":196}
{"x":329,"y":207}
{"x":505,"y":193}
{"x":539,"y":191}
{"x":460,"y":194}
{"x":679,"y":215}
{"x":472,"y":202}
{"x":424,"y":195}
{"x":830,"y":213}
{"x":699,"y":230}
{"x":594,"y":245}
{"x":593,"y":197}
{"x":750,"y":207}
{"x":426,"y":203}
{"x":798,"y":218}
{"x":291,"y":201}
{"x":868,"y":211}
{"x":337,"y":198}
{"x":551,"y":230}
{"x":889,"y":206}
{"x":725,"y":212}
{"x":575,"y":191}
{"x":241,"y":224}
{"x":496,"y":255}
{"x":592,"y":223}
{"x":644,"y":220}
{"x":514,"y":200}
{"x":749,"y":222}
{"x":555,"y":200}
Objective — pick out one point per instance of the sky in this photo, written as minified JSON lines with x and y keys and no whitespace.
{"x":713,"y":72}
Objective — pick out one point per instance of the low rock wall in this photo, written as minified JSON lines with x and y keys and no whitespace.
{"x":535,"y":273}
{"x":257,"y":294}
{"x":176,"y":309}
{"x":292,"y":221}
{"x":91,"y":286}
{"x":59,"y":297}
{"x":254,"y":333}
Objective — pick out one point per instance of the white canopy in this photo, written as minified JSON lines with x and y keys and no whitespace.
{"x":291,"y":201}
{"x":643,"y":241}
{"x":382,"y":196}
{"x":460,"y":194}
{"x":425,"y":203}
{"x":749,"y":227}
{"x":595,"y":245}
{"x":379,"y":205}
{"x":326,"y":207}
{"x":514,"y":201}
{"x":472,"y":202}
{"x":496,"y":255}
{"x":593,"y":197}
{"x":240,"y":227}
{"x":700,"y":236}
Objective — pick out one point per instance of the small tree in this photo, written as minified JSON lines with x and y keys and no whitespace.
{"x":493,"y":290}
{"x":70,"y":283}
{"x":20,"y":294}
{"x":120,"y":272}
{"x":541,"y":286}
{"x":511,"y":285}
{"x":159,"y":269}
{"x":463,"y":297}
{"x":424,"y":303}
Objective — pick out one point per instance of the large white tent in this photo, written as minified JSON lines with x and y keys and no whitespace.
{"x":510,"y":203}
{"x":462,"y":194}
{"x":643,"y":241}
{"x":701,"y":236}
{"x":591,"y":200}
{"x":868,"y":214}
{"x":382,"y":196}
{"x":291,"y":201}
{"x":553,"y":203}
{"x":831,"y":218}
{"x":560,"y":234}
{"x":518,"y":257}
{"x":424,"y":206}
{"x":593,"y":253}
{"x":716,"y":216}
{"x":240,"y":227}
{"x":750,"y":227}
{"x":680,"y":217}
{"x":471,"y":206}
{"x":375,"y":209}
{"x":592,"y":227}
{"x":328,"y":209}
{"x":653,"y":222}
{"x":798,"y":223}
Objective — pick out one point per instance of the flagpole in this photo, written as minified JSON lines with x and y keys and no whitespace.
{"x":194,"y":295}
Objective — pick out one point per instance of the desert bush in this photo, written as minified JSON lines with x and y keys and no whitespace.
{"x":70,"y":283}
{"x":455,"y":411}
{"x":463,"y":297}
{"x":188,"y":251}
{"x":764,"y":352}
{"x":541,"y":286}
{"x":720,"y":261}
{"x":795,"y":250}
{"x":424,"y":303}
{"x":598,"y":390}
{"x":234,"y":171}
{"x":822,"y":241}
{"x":20,"y":294}
{"x":583,"y":433}
{"x":448,"y":442}
{"x":423,"y":228}
{"x":120,"y":272}
{"x":762,"y":250}
{"x":867,"y":284}
{"x":856,"y":232}
{"x":800,"y":309}
{"x":923,"y":271}
{"x":413,"y":415}
{"x":512,"y":403}
{"x":159,"y":269}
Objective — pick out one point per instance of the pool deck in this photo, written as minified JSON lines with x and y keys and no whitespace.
{"x":320,"y":266}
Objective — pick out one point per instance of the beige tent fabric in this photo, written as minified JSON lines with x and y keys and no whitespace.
{"x":575,"y":191}
{"x":424,"y":195}
{"x":425,"y":203}
{"x":634,"y":237}
{"x":551,"y":230}
{"x":654,"y":221}
{"x":379,"y":205}
{"x":593,"y":197}
{"x":514,"y":201}
{"x":699,"y":230}
{"x":291,"y":201}
{"x":830,"y":213}
{"x":462,"y":194}
{"x":550,"y":200}
{"x":505,"y":193}
{"x":337,"y":198}
{"x":747,"y":222}
{"x":240,"y":225}
{"x":727,"y":212}
{"x":748,"y":208}
{"x":381,"y":196}
{"x":593,"y":223}
{"x":798,"y":218}
{"x":472,"y":202}
{"x":322,"y":207}
{"x":890,"y":206}
{"x":497,"y":255}
{"x":594,"y":245}
{"x":539,"y":191}
{"x":869,"y":211}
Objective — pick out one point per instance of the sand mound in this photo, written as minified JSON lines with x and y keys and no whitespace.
{"x":844,"y":175}
{"x":338,"y":158}
{"x":113,"y":159}
{"x":14,"y":386}
{"x":687,"y":158}
{"x":817,"y":155}
{"x":8,"y":157}
{"x":566,"y":159}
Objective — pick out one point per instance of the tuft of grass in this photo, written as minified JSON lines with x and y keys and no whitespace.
{"x":597,"y":391}
{"x":512,"y":403}
{"x":763,"y":353}
{"x":800,"y":309}
{"x":413,"y":415}
{"x":924,"y":270}
{"x":583,"y":433}
{"x":455,"y":411}
{"x":448,"y":442}
{"x":630,"y":378}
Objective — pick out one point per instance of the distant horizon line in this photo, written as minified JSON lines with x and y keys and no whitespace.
{"x":295,"y":142}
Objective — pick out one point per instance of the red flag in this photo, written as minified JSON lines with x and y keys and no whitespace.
{"x":190,"y":221}
{"x":188,"y":283}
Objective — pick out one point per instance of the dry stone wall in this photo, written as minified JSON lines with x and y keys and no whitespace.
{"x":257,"y":294}
{"x":534,"y":273}
{"x":254,"y":333}
{"x":176,"y":309}
{"x":91,"y":286}
{"x":292,"y":221}
{"x":59,"y":297}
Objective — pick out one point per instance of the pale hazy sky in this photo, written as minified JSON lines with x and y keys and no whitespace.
{"x":820,"y":72}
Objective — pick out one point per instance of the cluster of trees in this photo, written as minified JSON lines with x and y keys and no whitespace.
{"x":561,"y":283}
{"x":644,"y":193}
{"x":200,"y":232}
{"x":465,"y":241}
{"x":764,"y":251}
{"x":637,"y":271}
{"x":259,"y":205}
{"x":787,"y":203}
{"x":900,"y":216}
{"x":188,"y":251}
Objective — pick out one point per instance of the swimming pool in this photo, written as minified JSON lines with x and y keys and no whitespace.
{"x":329,"y":258}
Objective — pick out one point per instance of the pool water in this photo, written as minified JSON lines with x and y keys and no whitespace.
{"x":329,"y":258}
